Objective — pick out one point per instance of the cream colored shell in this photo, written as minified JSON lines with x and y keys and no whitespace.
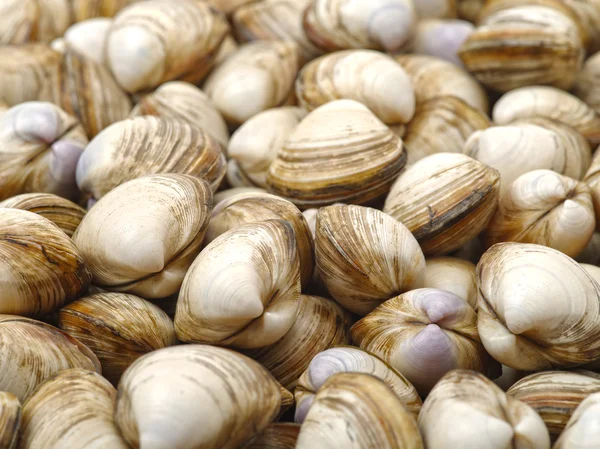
{"x":454,"y":275}
{"x":24,"y":21}
{"x":469,"y":9}
{"x":582,"y":428}
{"x":222,"y":195}
{"x":10,"y":420}
{"x":279,"y":435}
{"x":592,"y":179}
{"x":88,"y":38}
{"x":441,"y":38}
{"x":88,"y":9}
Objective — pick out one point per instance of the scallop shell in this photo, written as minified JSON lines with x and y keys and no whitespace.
{"x":10,"y":420}
{"x":582,"y":428}
{"x":280,"y":435}
{"x":454,"y":275}
{"x":33,"y":20}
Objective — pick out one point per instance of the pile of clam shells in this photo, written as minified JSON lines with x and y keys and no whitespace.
{"x":311,"y":224}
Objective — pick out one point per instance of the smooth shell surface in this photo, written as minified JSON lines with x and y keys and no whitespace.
{"x":33,"y":20}
{"x":88,"y":38}
{"x":592,"y":179}
{"x":454,"y":275}
{"x":441,"y":38}
{"x":10,"y":420}
{"x":582,"y":429}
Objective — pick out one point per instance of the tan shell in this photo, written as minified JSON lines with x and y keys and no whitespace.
{"x":436,"y":8}
{"x":228,"y":6}
{"x":358,"y":411}
{"x":384,"y":25}
{"x":366,"y":76}
{"x":214,"y":399}
{"x":146,"y":145}
{"x":10,"y":420}
{"x":243,"y":288}
{"x":546,"y":208}
{"x":441,"y":125}
{"x":222,"y":195}
{"x":33,"y":20}
{"x":582,"y":428}
{"x":280,"y":435}
{"x":146,"y":47}
{"x":344,"y":167}
{"x":587,"y":84}
{"x":258,"y":76}
{"x":454,"y":275}
{"x":119,"y":328}
{"x":41,"y":267}
{"x":63,"y":213}
{"x":591,"y":253}
{"x":73,"y":409}
{"x":142,"y":236}
{"x":424,"y":334}
{"x":538,"y":308}
{"x":184,"y":101}
{"x":441,"y":38}
{"x":320,"y":324}
{"x":88,"y":9}
{"x":33,"y":351}
{"x":465,"y":410}
{"x":469,"y":9}
{"x":433,"y":77}
{"x":554,"y":395}
{"x":348,"y":359}
{"x":254,"y":207}
{"x":88,"y":38}
{"x":592,"y":179}
{"x":445,"y":200}
{"x":365,"y":257}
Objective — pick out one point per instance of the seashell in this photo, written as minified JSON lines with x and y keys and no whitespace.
{"x":366,"y":76}
{"x":454,"y":275}
{"x":554,"y":395}
{"x":279,"y":435}
{"x":442,"y":125}
{"x":385,"y":25}
{"x":546,"y":208}
{"x":146,"y":145}
{"x":89,"y":9}
{"x":320,"y":324}
{"x":445,"y":200}
{"x":467,"y":410}
{"x":523,"y":46}
{"x":582,"y":428}
{"x":587,"y":83}
{"x":193,"y":396}
{"x":33,"y":20}
{"x":73,"y":409}
{"x":243,"y":289}
{"x":184,"y":101}
{"x":433,"y":77}
{"x":441,"y":38}
{"x":142,"y":236}
{"x":254,"y":145}
{"x":354,"y":167}
{"x":592,"y":179}
{"x":538,"y":308}
{"x":10,"y":420}
{"x":88,"y":38}
{"x":591,"y":253}
{"x":154,"y":28}
{"x":436,"y":8}
{"x":425,"y":333}
{"x":258,"y":76}
{"x":40,"y":145}
{"x":41,"y":267}
{"x":588,"y":12}
{"x":235,"y":176}
{"x":358,"y":411}
{"x":119,"y":328}
{"x":33,"y":351}
{"x":228,"y":193}
{"x":255,"y":207}
{"x":469,"y":9}
{"x":348,"y":359}
{"x":63,"y":213}
{"x":228,"y":6}
{"x":365,"y":257}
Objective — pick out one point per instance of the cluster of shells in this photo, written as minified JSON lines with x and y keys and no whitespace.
{"x":311,"y":224}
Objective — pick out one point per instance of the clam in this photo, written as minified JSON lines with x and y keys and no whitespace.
{"x":88,"y":9}
{"x":454,"y":275}
{"x":441,"y":38}
{"x":436,"y":8}
{"x":228,"y":6}
{"x":582,"y":428}
{"x":222,"y":195}
{"x":279,"y":435}
{"x":538,"y":308}
{"x":469,"y":9}
{"x":10,"y":420}
{"x":587,"y":83}
{"x":592,"y":179}
{"x":33,"y":20}
{"x":88,"y":38}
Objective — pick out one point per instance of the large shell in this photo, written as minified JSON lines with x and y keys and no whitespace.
{"x":592,"y":179}
{"x":73,"y":409}
{"x":546,"y":208}
{"x":445,"y":200}
{"x":441,"y":38}
{"x":32,"y":351}
{"x":454,"y":275}
{"x":353,"y":167}
{"x":348,"y":359}
{"x":41,"y":267}
{"x":146,"y":145}
{"x":538,"y":308}
{"x":424,"y":334}
{"x":358,"y":411}
{"x":365,"y":256}
{"x":146,"y":47}
{"x":587,"y":85}
{"x":87,"y":38}
{"x":280,"y":435}
{"x":582,"y":429}
{"x":258,"y":76}
{"x":119,"y":328}
{"x":193,"y":396}
{"x":10,"y":420}
{"x":465,"y":410}
{"x":243,"y":288}
{"x":142,"y":236}
{"x":24,"y":21}
{"x":367,"y":76}
{"x":88,"y":9}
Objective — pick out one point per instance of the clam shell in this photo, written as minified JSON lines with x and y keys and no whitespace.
{"x":31,"y":20}
{"x":441,"y":38}
{"x":587,"y":83}
{"x":454,"y":275}
{"x":222,"y":195}
{"x":228,"y":6}
{"x":437,"y":8}
{"x":592,"y":179}
{"x":280,"y":435}
{"x":469,"y":9}
{"x":88,"y":38}
{"x":88,"y":9}
{"x":582,"y":428}
{"x":10,"y":420}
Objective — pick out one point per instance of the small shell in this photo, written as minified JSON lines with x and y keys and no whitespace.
{"x":441,"y":38}
{"x":546,"y":208}
{"x":119,"y":328}
{"x":280,"y":435}
{"x":358,"y":411}
{"x":344,"y":166}
{"x":88,"y":38}
{"x":184,"y":101}
{"x":33,"y":351}
{"x":454,"y":275}
{"x":73,"y":409}
{"x":465,"y":410}
{"x":587,"y":84}
{"x":10,"y":420}
{"x":195,"y":396}
{"x":142,"y":236}
{"x":591,"y":253}
{"x":424,"y":334}
{"x":365,"y":257}
{"x":445,"y":200}
{"x":146,"y":145}
{"x":243,"y":288}
{"x":88,"y":9}
{"x":24,"y":21}
{"x":225,"y":194}
{"x":366,"y":76}
{"x":258,"y":76}
{"x":582,"y":429}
